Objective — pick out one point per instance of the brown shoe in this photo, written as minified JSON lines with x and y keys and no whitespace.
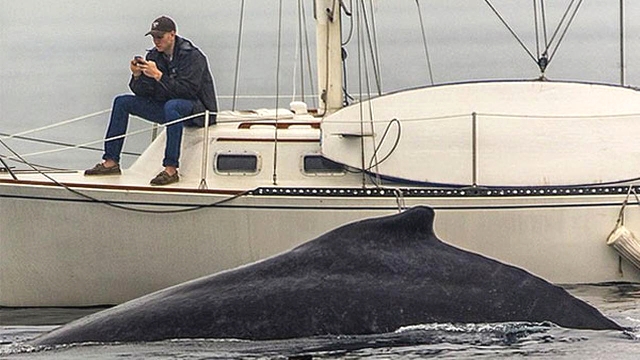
{"x":163,"y":178}
{"x":100,"y":169}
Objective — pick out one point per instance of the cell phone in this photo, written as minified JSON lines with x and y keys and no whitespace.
{"x":139,"y":60}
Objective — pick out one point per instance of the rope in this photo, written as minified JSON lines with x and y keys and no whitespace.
{"x":59,"y":143}
{"x":80,"y":146}
{"x":349,"y":15}
{"x":399,"y":196}
{"x":66,"y":122}
{"x":393,"y":148}
{"x":424,"y":42}
{"x":620,"y":221}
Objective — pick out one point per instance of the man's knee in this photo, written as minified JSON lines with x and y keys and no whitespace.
{"x":177,"y":108}
{"x":123,"y":101}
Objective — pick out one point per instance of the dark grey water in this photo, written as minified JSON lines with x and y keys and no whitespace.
{"x":621,"y":302}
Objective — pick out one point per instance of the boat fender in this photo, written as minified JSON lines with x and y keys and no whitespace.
{"x":622,"y":239}
{"x":626,"y":244}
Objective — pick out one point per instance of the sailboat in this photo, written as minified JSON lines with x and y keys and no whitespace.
{"x":534,"y":173}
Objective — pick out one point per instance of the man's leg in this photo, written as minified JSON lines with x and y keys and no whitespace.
{"x":123,"y":105}
{"x":174,"y":109}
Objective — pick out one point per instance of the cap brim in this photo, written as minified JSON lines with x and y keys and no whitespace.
{"x":155,"y":33}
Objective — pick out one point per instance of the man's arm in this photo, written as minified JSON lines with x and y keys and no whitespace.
{"x":140,"y":84}
{"x":186,"y":83}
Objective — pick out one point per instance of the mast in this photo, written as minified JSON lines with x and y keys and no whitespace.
{"x":329,"y":54}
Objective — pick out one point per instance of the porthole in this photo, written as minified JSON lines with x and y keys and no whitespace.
{"x":237,"y":163}
{"x":316,"y":164}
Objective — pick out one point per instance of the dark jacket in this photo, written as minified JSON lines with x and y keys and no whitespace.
{"x":187,"y":76}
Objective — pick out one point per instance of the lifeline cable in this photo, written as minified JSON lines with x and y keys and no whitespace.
{"x":115,"y":137}
{"x":59,"y":143}
{"x":121,"y":207}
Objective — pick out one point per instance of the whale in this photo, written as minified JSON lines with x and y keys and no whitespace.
{"x":372,"y":276}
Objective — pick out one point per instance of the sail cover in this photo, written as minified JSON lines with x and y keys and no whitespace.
{"x":503,"y":133}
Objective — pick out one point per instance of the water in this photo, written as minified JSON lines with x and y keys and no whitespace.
{"x":62,"y":59}
{"x":620,"y":302}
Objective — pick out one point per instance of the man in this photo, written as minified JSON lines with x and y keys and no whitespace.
{"x":173,"y":82}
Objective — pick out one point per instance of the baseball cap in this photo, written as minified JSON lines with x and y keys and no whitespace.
{"x":161,"y":25}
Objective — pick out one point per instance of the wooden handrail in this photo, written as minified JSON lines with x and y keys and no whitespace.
{"x":280,"y":124}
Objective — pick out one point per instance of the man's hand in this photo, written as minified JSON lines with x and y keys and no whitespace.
{"x":150,"y":69}
{"x":135,"y":68}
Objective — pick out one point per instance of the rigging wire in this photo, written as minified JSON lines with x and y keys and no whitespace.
{"x":545,"y":58}
{"x":555,"y":33}
{"x":575,"y":12}
{"x":367,"y":78}
{"x":239,"y":47}
{"x":66,"y":122}
{"x":345,"y":91}
{"x":7,"y":168}
{"x":424,"y":42}
{"x":536,"y":27}
{"x":504,"y":22}
{"x":544,"y":26}
{"x":114,"y":137}
{"x":299,"y":55}
{"x":360,"y":104}
{"x":375,"y":53}
{"x":363,"y":37}
{"x":275,"y":137}
{"x":59,"y":143}
{"x":303,"y":52}
{"x":40,"y":166}
{"x":372,"y":47}
{"x":308,"y":46}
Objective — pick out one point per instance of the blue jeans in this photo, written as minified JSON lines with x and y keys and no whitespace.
{"x":159,"y":112}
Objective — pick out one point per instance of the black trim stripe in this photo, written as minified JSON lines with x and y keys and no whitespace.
{"x":391,"y":206}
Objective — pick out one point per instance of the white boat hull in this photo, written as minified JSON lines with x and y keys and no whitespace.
{"x":68,"y":251}
{"x":83,"y":244}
